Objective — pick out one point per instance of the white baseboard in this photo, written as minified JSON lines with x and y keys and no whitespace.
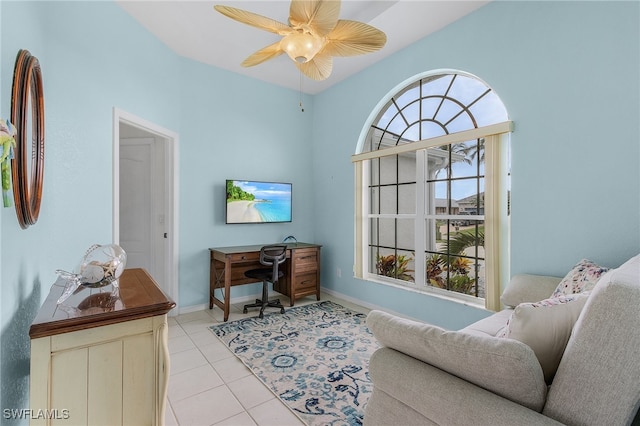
{"x":251,"y":298}
{"x":233,"y":301}
{"x":189,"y":309}
{"x":365,"y":304}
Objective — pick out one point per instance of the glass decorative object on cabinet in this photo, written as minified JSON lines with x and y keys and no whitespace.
{"x":101,"y":266}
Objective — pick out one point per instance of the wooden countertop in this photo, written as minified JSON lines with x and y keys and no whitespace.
{"x":140,"y":297}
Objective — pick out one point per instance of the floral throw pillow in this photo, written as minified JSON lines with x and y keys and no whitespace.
{"x":582,"y":277}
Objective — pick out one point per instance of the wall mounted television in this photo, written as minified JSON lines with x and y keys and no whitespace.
{"x":258,"y":202}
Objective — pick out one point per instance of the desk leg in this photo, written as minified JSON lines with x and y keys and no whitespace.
{"x":212,"y":281}
{"x":220,"y":271}
{"x":227,"y":288}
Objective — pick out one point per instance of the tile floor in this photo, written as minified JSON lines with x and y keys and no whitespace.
{"x":208,"y":385}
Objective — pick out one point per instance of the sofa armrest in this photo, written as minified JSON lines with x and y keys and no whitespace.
{"x":503,"y":366}
{"x":435,"y":397}
{"x":525,"y":288}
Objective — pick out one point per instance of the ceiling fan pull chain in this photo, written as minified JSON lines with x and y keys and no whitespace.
{"x":301,"y":107}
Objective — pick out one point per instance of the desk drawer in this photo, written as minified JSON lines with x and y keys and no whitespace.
{"x":304,"y":282}
{"x":245,"y":257}
{"x":306,"y":259}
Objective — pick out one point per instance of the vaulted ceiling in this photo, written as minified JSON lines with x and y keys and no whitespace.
{"x":193,"y":29}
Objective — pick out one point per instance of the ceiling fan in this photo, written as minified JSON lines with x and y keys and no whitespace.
{"x":313,"y":36}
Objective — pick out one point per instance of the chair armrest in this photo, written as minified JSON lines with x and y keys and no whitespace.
{"x":525,"y":288}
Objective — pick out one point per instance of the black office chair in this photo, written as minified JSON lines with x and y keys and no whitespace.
{"x":273,"y":256}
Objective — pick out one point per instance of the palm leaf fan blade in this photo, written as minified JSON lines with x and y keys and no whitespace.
{"x":319,"y":68}
{"x":254,"y":19}
{"x":320,"y":17}
{"x":350,"y":38}
{"x":263,"y":55}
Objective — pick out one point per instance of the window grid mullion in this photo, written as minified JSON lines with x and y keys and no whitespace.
{"x":420,"y":224}
{"x":426,"y":218}
{"x":395,"y":221}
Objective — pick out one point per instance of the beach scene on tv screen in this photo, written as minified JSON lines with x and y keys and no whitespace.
{"x":257,"y":202}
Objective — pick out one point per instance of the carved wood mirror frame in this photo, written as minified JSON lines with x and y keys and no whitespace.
{"x":27,"y":97}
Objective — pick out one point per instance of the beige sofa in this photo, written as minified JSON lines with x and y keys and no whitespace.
{"x":484,"y":375}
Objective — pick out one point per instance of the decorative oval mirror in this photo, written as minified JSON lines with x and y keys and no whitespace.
{"x":27,"y":114}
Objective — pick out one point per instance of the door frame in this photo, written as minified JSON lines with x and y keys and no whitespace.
{"x":171,"y":194}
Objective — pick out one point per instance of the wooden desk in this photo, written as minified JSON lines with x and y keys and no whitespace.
{"x":102,"y":358}
{"x":228,"y":265}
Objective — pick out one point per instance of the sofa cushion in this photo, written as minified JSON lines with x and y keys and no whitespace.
{"x":582,"y":277}
{"x":506,"y":367}
{"x":490,"y":326}
{"x":523,"y":288}
{"x":410,"y":392}
{"x":545,"y":327}
{"x":597,"y":379}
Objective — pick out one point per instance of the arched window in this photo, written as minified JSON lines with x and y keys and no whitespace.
{"x":432,"y":189}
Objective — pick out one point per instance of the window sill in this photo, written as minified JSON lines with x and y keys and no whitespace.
{"x":429,"y":291}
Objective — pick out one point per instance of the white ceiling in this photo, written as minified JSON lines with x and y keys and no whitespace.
{"x":193,"y":29}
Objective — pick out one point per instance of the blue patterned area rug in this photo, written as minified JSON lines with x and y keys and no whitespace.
{"x":315,"y":358}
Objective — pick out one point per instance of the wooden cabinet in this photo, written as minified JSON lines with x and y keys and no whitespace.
{"x":103,"y":364}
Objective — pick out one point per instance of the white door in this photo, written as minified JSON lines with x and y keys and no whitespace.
{"x":142,"y":205}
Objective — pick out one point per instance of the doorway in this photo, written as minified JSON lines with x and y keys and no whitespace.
{"x":145,"y":198}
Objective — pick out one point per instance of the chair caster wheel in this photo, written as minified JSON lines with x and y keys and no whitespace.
{"x":244,"y":311}
{"x":261,"y":315}
{"x":282,"y":310}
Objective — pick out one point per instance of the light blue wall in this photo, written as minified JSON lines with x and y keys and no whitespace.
{"x":1,"y":310}
{"x":569,"y":74}
{"x":236,"y":128}
{"x":88,"y":68}
{"x":95,"y":57}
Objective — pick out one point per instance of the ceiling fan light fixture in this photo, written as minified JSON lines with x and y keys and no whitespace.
{"x":314,"y":35}
{"x":301,"y":47}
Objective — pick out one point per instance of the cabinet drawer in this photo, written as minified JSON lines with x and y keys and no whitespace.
{"x":305,"y":282}
{"x":306,"y":260}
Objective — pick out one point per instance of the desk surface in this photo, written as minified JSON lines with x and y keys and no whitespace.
{"x":257,"y":247}
{"x":140,"y":297}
